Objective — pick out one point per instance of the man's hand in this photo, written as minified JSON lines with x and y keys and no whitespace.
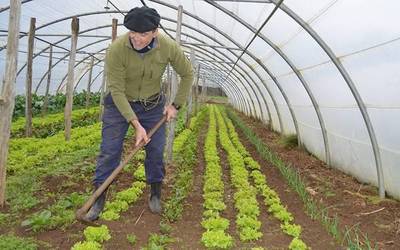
{"x":140,"y":133}
{"x":170,"y":111}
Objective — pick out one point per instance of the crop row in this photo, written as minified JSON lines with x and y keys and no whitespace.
{"x":215,"y":235}
{"x":246,"y":203}
{"x":51,"y":124}
{"x":271,"y":198}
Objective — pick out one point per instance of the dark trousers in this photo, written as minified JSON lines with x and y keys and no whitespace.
{"x":113,"y":133}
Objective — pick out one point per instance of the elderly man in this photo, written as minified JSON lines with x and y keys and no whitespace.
{"x":135,"y":63}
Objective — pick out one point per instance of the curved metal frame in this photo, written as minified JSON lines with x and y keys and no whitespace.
{"x":344,"y":74}
{"x":298,"y":74}
{"x":353,"y":89}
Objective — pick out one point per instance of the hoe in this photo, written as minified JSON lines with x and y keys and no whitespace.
{"x":80,"y":213}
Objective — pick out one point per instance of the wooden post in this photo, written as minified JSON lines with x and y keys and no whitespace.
{"x":114,"y":27}
{"x":70,"y":79}
{"x":28,"y":86}
{"x":46,"y":95}
{"x":8,"y":91}
{"x":190,"y":97}
{"x":203,"y":91}
{"x":173,"y":89}
{"x":114,"y":30}
{"x":196,"y":91}
{"x":89,"y":82}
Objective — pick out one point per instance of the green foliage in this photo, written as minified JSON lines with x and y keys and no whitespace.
{"x":56,"y":103}
{"x":139,"y":174}
{"x":215,"y":224}
{"x":157,"y":241}
{"x":38,"y":220}
{"x":11,"y":242}
{"x":297,"y":244}
{"x":3,"y":218}
{"x":289,"y":141}
{"x":245,"y":196}
{"x":110,"y":215}
{"x":214,"y":236}
{"x":131,"y":239}
{"x":165,"y":228}
{"x":86,"y":245}
{"x":29,"y":153}
{"x":291,"y":229}
{"x":140,"y":156}
{"x":97,"y":234}
{"x":184,"y":149}
{"x":217,"y":239}
{"x":51,"y":124}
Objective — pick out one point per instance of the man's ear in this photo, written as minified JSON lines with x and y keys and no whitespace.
{"x":155,"y":32}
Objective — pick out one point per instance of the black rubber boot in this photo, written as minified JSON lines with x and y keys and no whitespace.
{"x":155,"y":198}
{"x":95,"y":210}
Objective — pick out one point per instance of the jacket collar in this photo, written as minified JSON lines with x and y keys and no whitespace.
{"x":128,"y":44}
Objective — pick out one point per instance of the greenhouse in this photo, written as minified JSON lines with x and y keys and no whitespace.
{"x":277,"y":124}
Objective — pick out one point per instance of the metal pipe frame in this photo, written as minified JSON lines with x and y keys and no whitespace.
{"x":61,"y":59}
{"x":173,"y":7}
{"x":299,"y":76}
{"x":352,"y":87}
{"x":237,"y":90}
{"x":344,"y":74}
{"x":239,"y":46}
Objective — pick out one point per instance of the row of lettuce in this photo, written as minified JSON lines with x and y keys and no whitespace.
{"x":185,"y":145}
{"x":31,"y":160}
{"x":271,"y":198}
{"x":39,"y":151}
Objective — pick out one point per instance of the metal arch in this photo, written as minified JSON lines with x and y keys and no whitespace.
{"x":77,"y":83}
{"x":59,"y":87}
{"x":226,"y":36}
{"x":8,"y":7}
{"x":60,"y":41}
{"x":263,"y":66}
{"x":95,"y":78}
{"x":211,"y":38}
{"x":197,"y":39}
{"x":106,"y":12}
{"x":353,"y":89}
{"x":97,"y":52}
{"x":60,"y":60}
{"x":101,"y":12}
{"x":197,"y":18}
{"x":76,"y":64}
{"x":299,"y":76}
{"x":87,"y":70}
{"x":223,"y":76}
{"x":239,"y":46}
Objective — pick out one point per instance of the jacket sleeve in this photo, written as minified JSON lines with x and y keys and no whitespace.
{"x":184,"y":68}
{"x":116,"y":72}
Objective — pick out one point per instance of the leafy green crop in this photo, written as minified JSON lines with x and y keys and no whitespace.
{"x":217,"y":239}
{"x":97,"y":234}
{"x":11,"y":242}
{"x":86,"y":245}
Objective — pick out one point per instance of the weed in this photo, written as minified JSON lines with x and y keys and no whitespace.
{"x":289,"y":141}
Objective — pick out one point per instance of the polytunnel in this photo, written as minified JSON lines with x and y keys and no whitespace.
{"x":325,"y":71}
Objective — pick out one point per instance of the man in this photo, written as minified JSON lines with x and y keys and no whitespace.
{"x":135,"y":63}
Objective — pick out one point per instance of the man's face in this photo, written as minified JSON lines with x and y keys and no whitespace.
{"x":141,"y":40}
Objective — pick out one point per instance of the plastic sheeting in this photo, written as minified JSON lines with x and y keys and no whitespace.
{"x":271,"y":79}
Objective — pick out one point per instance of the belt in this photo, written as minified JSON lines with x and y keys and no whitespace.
{"x":151,"y":98}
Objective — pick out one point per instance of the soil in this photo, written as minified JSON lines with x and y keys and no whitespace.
{"x":342,"y":194}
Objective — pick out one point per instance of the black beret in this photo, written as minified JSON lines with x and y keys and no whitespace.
{"x":142,"y":19}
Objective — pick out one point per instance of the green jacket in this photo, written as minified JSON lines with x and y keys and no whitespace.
{"x":132,"y":77}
